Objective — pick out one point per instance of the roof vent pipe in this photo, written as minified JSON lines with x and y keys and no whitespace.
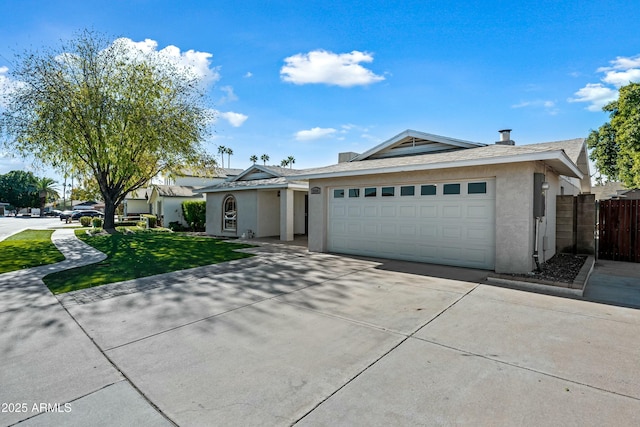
{"x":505,"y":137}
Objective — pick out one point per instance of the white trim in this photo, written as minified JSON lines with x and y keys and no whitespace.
{"x":303,"y":187}
{"x":558,"y":155}
{"x":421,"y":135}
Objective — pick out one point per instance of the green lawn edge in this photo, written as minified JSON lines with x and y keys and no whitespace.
{"x":29,"y":248}
{"x":142,"y":254}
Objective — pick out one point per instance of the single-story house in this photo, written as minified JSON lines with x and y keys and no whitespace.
{"x":436,"y":199}
{"x":165,"y":200}
{"x":261,"y":201}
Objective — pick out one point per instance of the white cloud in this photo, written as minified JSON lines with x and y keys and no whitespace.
{"x":314,"y":133}
{"x":547,"y":105}
{"x":596,"y":94}
{"x":229,"y":96}
{"x":620,"y":72}
{"x":198,"y":63}
{"x":321,"y":66}
{"x":249,"y":74}
{"x":235,"y":119}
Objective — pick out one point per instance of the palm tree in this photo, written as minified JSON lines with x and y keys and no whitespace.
{"x":284,"y":163}
{"x":222,"y":150}
{"x":264,"y":158}
{"x":291,"y":160}
{"x":253,"y":159}
{"x":46,"y":190}
{"x":229,"y":152}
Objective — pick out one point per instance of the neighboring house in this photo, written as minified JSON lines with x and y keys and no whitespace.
{"x":435,"y":199}
{"x":261,"y":201}
{"x":607,"y":190}
{"x":137,"y":203}
{"x":165,"y":200}
{"x":3,"y":206}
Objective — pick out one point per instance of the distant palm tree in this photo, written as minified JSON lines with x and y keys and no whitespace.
{"x":284,"y":163}
{"x":46,"y":190}
{"x":291,"y":160}
{"x":222,"y":150}
{"x":229,"y":152}
{"x":264,"y":158}
{"x":253,"y":159}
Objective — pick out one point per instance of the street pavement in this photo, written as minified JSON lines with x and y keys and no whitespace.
{"x":291,"y":337}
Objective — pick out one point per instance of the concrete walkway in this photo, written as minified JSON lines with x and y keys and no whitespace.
{"x":615,"y":282}
{"x":47,"y":360}
{"x":291,"y":337}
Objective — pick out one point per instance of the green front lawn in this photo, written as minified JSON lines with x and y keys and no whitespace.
{"x":142,"y":254}
{"x":29,"y":248}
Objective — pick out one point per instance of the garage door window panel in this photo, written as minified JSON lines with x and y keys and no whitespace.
{"x":451,"y":189}
{"x":477,"y":188}
{"x":354,"y":192}
{"x":408,"y":190}
{"x":388,"y":191}
{"x":338,"y":194}
{"x":370,"y":192}
{"x":428,"y":190}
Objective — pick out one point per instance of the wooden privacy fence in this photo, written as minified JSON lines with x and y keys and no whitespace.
{"x":619,"y":230}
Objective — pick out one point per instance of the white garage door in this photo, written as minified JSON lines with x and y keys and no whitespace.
{"x":449,"y":223}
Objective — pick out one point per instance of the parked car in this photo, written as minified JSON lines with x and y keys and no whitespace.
{"x":53,"y":212}
{"x":66,"y":215}
{"x":86,"y":212}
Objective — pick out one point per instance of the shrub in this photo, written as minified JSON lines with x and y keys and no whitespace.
{"x":195,"y":213}
{"x":176,"y":226}
{"x":141,"y":224}
{"x":97,"y":222}
{"x":85,"y":221}
{"x":153,"y":220}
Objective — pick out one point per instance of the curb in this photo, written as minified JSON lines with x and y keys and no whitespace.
{"x":575,"y":289}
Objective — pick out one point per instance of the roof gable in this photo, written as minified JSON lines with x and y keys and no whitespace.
{"x":258,"y":172}
{"x":411,"y":142}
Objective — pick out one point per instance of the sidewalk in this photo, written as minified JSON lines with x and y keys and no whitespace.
{"x":616,"y":283}
{"x":48,"y":360}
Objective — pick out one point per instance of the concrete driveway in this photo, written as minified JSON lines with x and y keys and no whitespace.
{"x":289,"y":337}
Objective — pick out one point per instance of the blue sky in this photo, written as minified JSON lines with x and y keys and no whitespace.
{"x":311,"y":79}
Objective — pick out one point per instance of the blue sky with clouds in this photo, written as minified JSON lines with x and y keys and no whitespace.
{"x":311,"y":79}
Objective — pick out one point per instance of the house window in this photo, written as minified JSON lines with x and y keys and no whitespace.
{"x":477,"y":188}
{"x":388,"y":191}
{"x":451,"y":189}
{"x":354,"y":192}
{"x":338,"y":194}
{"x":427,"y":190}
{"x":229,"y":214}
{"x":370,"y":192}
{"x":408,"y":190}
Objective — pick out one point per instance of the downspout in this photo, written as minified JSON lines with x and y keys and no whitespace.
{"x":536,"y":256}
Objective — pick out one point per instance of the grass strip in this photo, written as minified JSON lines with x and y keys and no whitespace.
{"x":142,"y":254}
{"x":29,"y":248}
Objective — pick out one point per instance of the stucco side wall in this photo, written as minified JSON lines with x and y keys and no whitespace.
{"x":298,"y":212}
{"x":268,"y":214}
{"x":246,"y":204}
{"x":135,"y":206}
{"x":515,"y":225}
{"x":171,"y":209}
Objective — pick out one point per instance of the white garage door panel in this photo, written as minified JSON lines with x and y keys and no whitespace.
{"x":441,"y":229}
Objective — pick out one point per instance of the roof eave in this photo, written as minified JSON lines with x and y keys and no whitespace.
{"x":558,"y":159}
{"x":291,"y":185}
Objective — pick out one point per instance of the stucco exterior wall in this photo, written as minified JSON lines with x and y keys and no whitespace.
{"x":515,"y":225}
{"x":298,"y":212}
{"x":135,"y":206}
{"x":268,"y":214}
{"x":171,"y":209}
{"x":246,"y":204}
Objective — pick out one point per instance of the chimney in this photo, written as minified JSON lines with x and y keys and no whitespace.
{"x":347,"y":157}
{"x":505,"y":137}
